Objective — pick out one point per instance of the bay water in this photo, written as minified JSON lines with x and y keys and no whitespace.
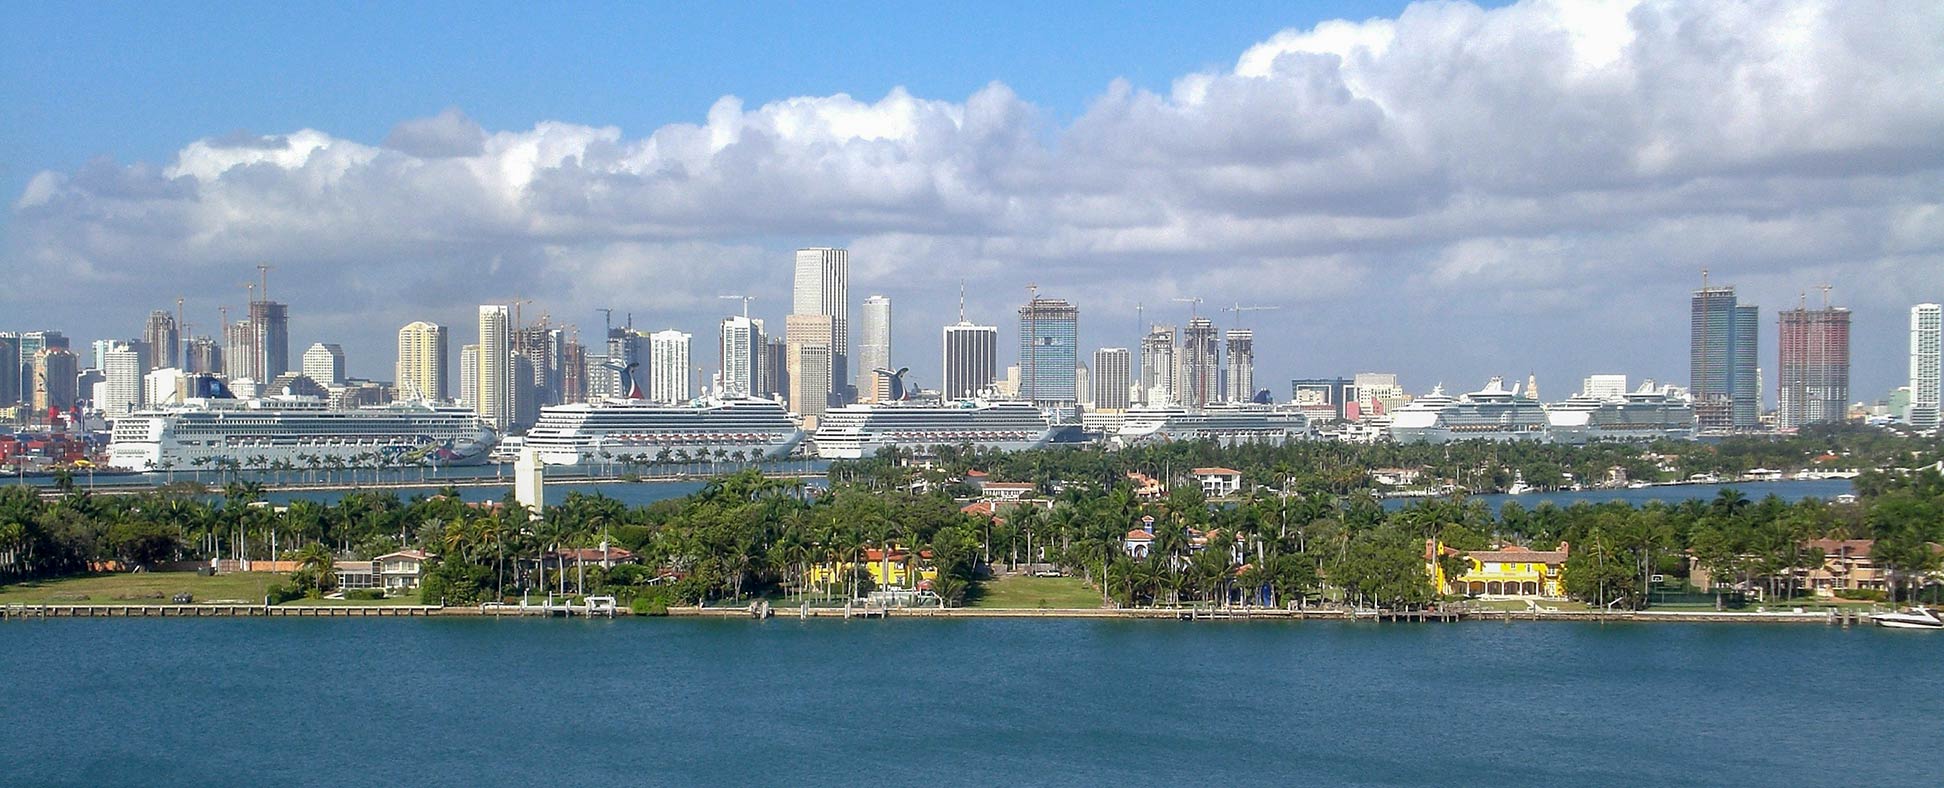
{"x":899,"y":702}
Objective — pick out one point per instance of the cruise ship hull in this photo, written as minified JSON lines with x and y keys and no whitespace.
{"x":633,"y":431}
{"x":298,"y":451}
{"x":857,"y":448}
{"x":859,"y":431}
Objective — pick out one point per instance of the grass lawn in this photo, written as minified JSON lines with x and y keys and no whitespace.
{"x":408,"y":599}
{"x":1020,"y":591}
{"x":1520,"y":605}
{"x":141,"y":588}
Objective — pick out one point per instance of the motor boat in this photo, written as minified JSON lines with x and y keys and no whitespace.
{"x":1914,"y":618}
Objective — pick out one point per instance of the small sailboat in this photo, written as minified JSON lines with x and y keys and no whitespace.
{"x":1915,"y":618}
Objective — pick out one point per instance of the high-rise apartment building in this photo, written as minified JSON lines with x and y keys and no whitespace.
{"x":9,"y":369}
{"x":163,"y":339}
{"x":874,"y":348}
{"x":811,"y":363}
{"x":469,"y":375}
{"x":822,"y":287}
{"x":1241,"y":365}
{"x":971,"y":359}
{"x":269,"y":338}
{"x":1926,"y":366}
{"x":238,"y":351}
{"x":1200,"y":363}
{"x":1724,"y":378}
{"x":1049,"y":339}
{"x":324,"y":363}
{"x":1813,"y":384}
{"x":573,"y":370}
{"x":421,"y":370}
{"x":122,"y":368}
{"x":742,"y":345}
{"x":56,"y":380}
{"x":495,"y":380}
{"x":1158,"y":368}
{"x":774,"y":382}
{"x":668,"y":366}
{"x":1112,"y":377}
{"x":203,"y":356}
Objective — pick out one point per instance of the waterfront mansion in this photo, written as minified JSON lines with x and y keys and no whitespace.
{"x":1507,"y":571}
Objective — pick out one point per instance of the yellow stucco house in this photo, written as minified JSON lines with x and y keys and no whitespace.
{"x":895,"y":572}
{"x":1508,"y":571}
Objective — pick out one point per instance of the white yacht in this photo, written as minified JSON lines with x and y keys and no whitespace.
{"x":1915,"y":618}
{"x":1644,"y":415}
{"x":858,"y":431}
{"x":1493,"y":413}
{"x":1228,"y":424}
{"x":302,"y":432}
{"x":748,"y":429}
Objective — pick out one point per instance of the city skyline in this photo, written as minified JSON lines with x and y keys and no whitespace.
{"x":1437,"y":264}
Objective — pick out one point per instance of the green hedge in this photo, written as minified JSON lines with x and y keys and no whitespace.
{"x":653,"y":601}
{"x":1862,"y":594}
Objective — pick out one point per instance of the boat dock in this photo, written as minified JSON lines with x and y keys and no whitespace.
{"x":20,"y":612}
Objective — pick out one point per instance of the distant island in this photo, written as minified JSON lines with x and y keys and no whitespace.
{"x":1297,"y":526}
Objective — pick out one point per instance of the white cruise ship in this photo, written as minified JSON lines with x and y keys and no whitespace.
{"x":750,"y":429}
{"x":1228,"y":424}
{"x":301,"y":431}
{"x":1493,"y":413}
{"x":1645,"y":415}
{"x":858,"y":431}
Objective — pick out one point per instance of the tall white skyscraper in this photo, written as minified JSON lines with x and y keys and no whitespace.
{"x":823,"y":288}
{"x":1241,"y":365}
{"x":122,"y":368}
{"x":1112,"y":368}
{"x":1158,"y":369}
{"x":324,"y":363}
{"x":496,"y":375}
{"x":742,"y":346}
{"x":668,"y":366}
{"x":971,"y":359}
{"x":874,"y":348}
{"x":421,"y":371}
{"x":1926,"y":366}
{"x":469,"y":375}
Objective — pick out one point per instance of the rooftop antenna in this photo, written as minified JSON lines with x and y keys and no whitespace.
{"x":745,"y":299}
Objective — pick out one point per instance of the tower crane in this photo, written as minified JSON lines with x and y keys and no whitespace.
{"x":1238,"y":309}
{"x":745,"y":299}
{"x":1194,"y":305}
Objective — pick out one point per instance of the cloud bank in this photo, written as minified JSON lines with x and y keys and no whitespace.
{"x":1455,"y":192}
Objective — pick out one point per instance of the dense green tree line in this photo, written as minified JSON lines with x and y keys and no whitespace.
{"x":745,"y":535}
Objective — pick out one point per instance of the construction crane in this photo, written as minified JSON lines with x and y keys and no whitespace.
{"x":1238,"y":309}
{"x":745,"y":299}
{"x":607,"y":321}
{"x":263,"y":273}
{"x":1194,"y":305}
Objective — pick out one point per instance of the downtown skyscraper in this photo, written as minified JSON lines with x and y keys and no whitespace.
{"x":822,"y":287}
{"x":743,"y":348}
{"x":1158,"y":367}
{"x":874,"y":348}
{"x":971,"y":359}
{"x":1926,"y":366}
{"x":1722,"y":360}
{"x":668,"y":366}
{"x":495,"y":376}
{"x":1049,"y":356}
{"x":163,"y":339}
{"x":421,"y":369}
{"x":1812,"y":385}
{"x":1241,"y":364}
{"x":1112,"y":378}
{"x":811,"y":368}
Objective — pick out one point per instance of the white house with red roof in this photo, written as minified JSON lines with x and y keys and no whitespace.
{"x":1218,"y":482}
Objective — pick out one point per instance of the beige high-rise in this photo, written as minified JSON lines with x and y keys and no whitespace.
{"x":422,"y":361}
{"x":810,"y":363}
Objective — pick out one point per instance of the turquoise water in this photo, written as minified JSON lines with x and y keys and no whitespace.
{"x":480,"y":702}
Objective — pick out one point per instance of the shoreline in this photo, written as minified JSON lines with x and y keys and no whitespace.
{"x":27,"y":612}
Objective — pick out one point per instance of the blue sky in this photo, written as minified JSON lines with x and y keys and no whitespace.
{"x":1442,"y":190}
{"x":135,"y":81}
